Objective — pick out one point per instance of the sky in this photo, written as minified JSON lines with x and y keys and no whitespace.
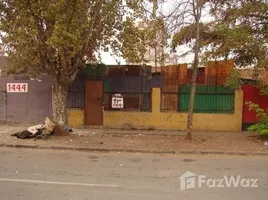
{"x":109,"y":59}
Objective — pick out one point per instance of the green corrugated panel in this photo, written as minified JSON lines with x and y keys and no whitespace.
{"x":208,"y":103}
{"x":198,"y":89}
{"x":224,"y":90}
{"x":207,"y":89}
{"x":95,"y":70}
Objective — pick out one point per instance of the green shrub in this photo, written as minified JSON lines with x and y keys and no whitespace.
{"x":233,"y":80}
{"x":262,"y":126}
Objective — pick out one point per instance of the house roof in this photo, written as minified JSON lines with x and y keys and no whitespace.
{"x":247,"y":74}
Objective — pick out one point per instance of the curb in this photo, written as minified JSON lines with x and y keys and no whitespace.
{"x":87,"y":149}
{"x":135,"y":150}
{"x":224,"y":153}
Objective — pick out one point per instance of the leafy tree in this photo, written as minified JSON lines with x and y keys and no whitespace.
{"x":233,"y":80}
{"x":138,"y":38}
{"x":240,"y":31}
{"x":157,"y":39}
{"x":133,"y":46}
{"x":57,"y":38}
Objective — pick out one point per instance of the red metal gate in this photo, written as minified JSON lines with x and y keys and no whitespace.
{"x":252,"y":93}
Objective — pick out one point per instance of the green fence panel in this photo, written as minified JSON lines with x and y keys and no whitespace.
{"x":208,"y":99}
{"x":207,"y":89}
{"x":208,"y":103}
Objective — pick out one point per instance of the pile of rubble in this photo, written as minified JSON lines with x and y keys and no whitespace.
{"x":43,"y":131}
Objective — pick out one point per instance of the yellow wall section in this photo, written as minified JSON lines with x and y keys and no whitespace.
{"x":164,"y":120}
{"x":177,"y":121}
{"x":75,"y":117}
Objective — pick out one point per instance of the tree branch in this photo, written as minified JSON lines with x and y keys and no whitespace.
{"x":97,"y":10}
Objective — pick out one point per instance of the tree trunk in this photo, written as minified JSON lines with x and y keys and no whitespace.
{"x":59,"y":102}
{"x":197,"y":14}
{"x":191,"y":106}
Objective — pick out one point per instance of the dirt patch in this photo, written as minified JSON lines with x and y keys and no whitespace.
{"x":188,"y":160}
{"x":60,"y":131}
{"x":148,"y":140}
{"x":93,"y":157}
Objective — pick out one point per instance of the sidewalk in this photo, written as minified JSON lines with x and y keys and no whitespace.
{"x":144,"y":141}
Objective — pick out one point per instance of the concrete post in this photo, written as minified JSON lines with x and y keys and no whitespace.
{"x":156,"y":100}
{"x":239,"y":101}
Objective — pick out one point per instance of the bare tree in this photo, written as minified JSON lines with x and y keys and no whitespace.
{"x":197,"y":8}
{"x":185,"y":25}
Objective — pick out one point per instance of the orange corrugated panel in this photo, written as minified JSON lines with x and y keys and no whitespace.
{"x":174,"y":70}
{"x":182,"y":73}
{"x":201,"y":76}
{"x":224,"y":69}
{"x":170,"y":70}
{"x":171,"y":78}
{"x":216,"y":72}
{"x":220,"y":67}
{"x":210,"y":69}
{"x":169,"y":99}
{"x":228,"y":66}
{"x":162,"y":70}
{"x":189,"y":76}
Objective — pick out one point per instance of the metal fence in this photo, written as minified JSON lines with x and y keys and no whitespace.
{"x":135,"y":90}
{"x":131,"y":101}
{"x":210,"y":97}
{"x":76,"y":94}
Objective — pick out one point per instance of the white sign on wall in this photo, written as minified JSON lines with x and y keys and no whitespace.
{"x":117,"y":101}
{"x":17,"y":87}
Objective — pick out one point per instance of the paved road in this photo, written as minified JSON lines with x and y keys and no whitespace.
{"x":65,"y":175}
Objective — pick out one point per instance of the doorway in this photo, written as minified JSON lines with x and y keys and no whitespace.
{"x":94,"y":103}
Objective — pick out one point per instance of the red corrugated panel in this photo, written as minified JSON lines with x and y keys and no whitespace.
{"x":252,"y":93}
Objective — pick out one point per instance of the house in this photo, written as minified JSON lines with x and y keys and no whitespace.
{"x":150,"y":100}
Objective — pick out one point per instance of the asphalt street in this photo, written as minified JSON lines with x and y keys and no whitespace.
{"x":69,"y":175}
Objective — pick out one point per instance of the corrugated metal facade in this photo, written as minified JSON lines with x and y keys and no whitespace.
{"x":208,"y":99}
{"x":31,"y":107}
